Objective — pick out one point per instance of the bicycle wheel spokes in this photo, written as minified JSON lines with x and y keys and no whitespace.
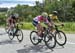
{"x":60,"y":38}
{"x":19,"y":35}
{"x":34,"y":38}
{"x":50,"y":41}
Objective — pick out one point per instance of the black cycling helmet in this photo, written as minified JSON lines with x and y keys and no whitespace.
{"x":12,"y":16}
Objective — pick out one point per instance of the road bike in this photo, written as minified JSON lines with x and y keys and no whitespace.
{"x":47,"y":37}
{"x":16,"y":31}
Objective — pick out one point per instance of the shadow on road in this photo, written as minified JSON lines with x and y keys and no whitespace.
{"x":8,"y":42}
{"x":35,"y":49}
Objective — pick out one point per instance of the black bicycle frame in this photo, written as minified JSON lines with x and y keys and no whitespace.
{"x":17,"y":28}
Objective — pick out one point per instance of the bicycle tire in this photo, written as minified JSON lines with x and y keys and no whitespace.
{"x":61,"y":44}
{"x":46,"y":42}
{"x":11,"y":36}
{"x":20,"y":31}
{"x":31,"y":38}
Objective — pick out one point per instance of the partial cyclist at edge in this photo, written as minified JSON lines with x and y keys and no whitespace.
{"x":12,"y":20}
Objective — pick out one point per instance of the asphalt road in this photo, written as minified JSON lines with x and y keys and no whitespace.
{"x":8,"y":46}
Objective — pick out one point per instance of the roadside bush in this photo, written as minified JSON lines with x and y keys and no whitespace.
{"x":69,"y":27}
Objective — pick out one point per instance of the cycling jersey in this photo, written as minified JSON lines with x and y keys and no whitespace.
{"x":39,"y":19}
{"x":54,"y":18}
{"x":11,"y":21}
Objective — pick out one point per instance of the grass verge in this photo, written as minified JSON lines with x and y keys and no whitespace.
{"x":69,"y":27}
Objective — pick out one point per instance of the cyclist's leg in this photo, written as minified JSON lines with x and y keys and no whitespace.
{"x":39,"y":28}
{"x":50,"y":25}
{"x":12,"y":27}
{"x":7,"y":27}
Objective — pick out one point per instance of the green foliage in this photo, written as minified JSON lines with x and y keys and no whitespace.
{"x":73,"y":4}
{"x":2,"y":18}
{"x":65,"y":8}
{"x":69,"y":27}
{"x":3,"y":9}
{"x":28,"y":26}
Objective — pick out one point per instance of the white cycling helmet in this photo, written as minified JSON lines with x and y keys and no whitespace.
{"x":44,"y":14}
{"x":55,"y":12}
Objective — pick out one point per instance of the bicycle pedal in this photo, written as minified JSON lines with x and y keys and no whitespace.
{"x":10,"y":34}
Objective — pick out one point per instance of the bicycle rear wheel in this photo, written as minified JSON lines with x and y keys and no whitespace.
{"x":50,"y":41}
{"x":34,"y":38}
{"x":61,"y":38}
{"x":19,"y":35}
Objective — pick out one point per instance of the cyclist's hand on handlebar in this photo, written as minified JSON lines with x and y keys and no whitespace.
{"x":62,"y":24}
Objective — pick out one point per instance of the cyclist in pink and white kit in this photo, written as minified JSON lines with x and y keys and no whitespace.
{"x":41,"y":18}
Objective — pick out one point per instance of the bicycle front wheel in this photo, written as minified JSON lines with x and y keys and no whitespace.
{"x":19,"y":35}
{"x":60,"y":38}
{"x":50,"y":41}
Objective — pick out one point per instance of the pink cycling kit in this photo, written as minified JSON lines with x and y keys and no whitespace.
{"x":38,"y":19}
